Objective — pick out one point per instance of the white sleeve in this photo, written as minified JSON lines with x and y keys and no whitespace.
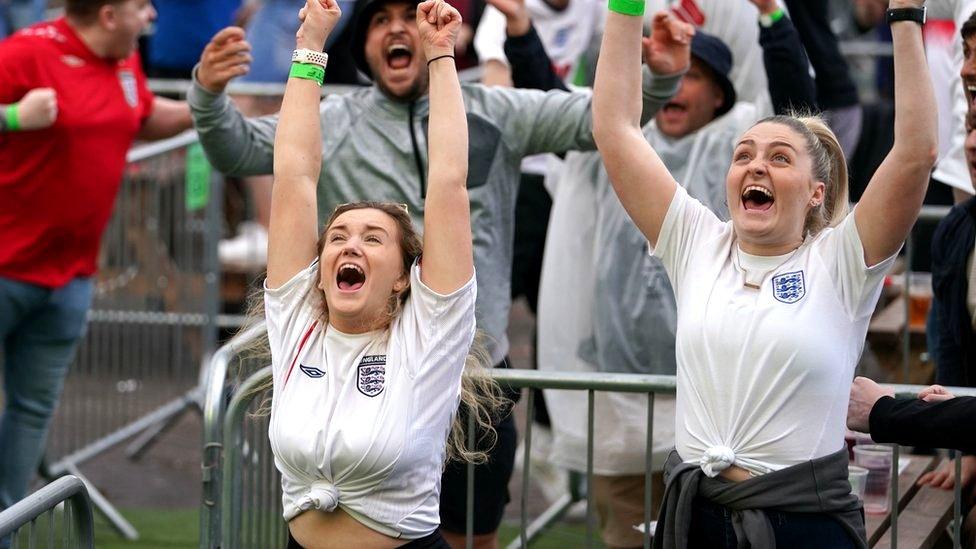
{"x":858,"y":285}
{"x":685,"y":224}
{"x":434,"y":326}
{"x":951,"y":168}
{"x":291,"y":312}
{"x":489,"y":39}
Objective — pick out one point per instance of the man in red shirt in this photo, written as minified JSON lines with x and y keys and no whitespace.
{"x":73,"y":98}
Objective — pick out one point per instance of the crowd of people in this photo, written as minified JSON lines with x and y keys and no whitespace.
{"x":651,"y":176}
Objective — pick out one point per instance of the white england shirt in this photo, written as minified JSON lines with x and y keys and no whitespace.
{"x":764,"y":372}
{"x":361,"y":421}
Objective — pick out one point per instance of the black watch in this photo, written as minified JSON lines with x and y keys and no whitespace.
{"x":906,"y":14}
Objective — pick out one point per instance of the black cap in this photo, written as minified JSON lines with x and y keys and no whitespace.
{"x":361,"y":27}
{"x":716,"y":55}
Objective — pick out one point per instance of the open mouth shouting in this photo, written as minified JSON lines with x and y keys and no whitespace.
{"x":350,"y":277}
{"x":398,"y":56}
{"x":757,"y":198}
{"x":674,"y":109}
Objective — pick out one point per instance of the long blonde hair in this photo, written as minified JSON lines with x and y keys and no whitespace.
{"x":481,"y":396}
{"x":829,"y":166}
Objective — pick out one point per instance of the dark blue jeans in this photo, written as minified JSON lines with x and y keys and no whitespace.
{"x":711,"y":528}
{"x":39,"y":331}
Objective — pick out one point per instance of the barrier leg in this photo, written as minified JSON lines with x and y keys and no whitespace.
{"x":144,"y":441}
{"x":99,"y":502}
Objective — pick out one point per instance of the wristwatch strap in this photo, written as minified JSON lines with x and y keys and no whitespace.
{"x":310,"y":57}
{"x":906,"y":14}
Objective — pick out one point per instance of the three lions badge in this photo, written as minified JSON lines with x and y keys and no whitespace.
{"x":371,"y":375}
{"x":789,"y":287}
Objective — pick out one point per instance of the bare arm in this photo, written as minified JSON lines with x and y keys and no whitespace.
{"x":168,"y":118}
{"x":642,"y":182}
{"x":293,"y":233}
{"x":892,"y":200}
{"x":448,"y":261}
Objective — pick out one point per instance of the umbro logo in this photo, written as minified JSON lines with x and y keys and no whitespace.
{"x":311,"y":371}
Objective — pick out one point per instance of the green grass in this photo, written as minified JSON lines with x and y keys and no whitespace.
{"x":170,"y":529}
{"x":158,"y":529}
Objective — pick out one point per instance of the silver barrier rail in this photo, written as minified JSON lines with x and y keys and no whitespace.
{"x":153,"y":321}
{"x":214,"y":406}
{"x":178,"y":87}
{"x":72,"y":528}
{"x":251,"y":485}
{"x":929,"y":215}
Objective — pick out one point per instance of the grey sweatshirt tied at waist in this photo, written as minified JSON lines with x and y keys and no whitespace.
{"x":816,"y":486}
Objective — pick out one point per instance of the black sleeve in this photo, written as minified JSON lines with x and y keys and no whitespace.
{"x":531,"y":66}
{"x":913,"y":422}
{"x":787,"y":69}
{"x":835,"y":88}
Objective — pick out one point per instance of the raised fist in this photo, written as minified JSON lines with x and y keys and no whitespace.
{"x":438,"y":23}
{"x":38,"y":109}
{"x":318,"y":18}
{"x":516,"y":15}
{"x":668,"y":49}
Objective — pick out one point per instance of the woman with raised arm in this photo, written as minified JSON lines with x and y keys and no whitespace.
{"x":773,"y":306}
{"x":368,"y":341}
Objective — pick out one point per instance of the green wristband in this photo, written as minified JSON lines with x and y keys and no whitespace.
{"x":307,"y":71}
{"x":628,"y":7}
{"x":770,"y":19}
{"x":10,"y":114}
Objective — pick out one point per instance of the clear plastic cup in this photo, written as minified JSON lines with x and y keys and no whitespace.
{"x":877,"y":460}
{"x":858,"y":477}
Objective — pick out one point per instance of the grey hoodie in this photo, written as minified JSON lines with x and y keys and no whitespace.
{"x":376,"y":149}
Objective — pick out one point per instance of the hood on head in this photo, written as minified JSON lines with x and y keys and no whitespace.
{"x":361,"y":28}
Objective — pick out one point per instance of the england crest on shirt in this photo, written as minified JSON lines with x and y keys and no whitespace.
{"x":371,"y":375}
{"x":789,"y":287}
{"x":128,"y":81}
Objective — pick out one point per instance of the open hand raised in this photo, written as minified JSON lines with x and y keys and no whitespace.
{"x":668,"y":49}
{"x":438,"y":23}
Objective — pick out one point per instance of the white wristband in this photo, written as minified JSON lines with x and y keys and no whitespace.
{"x":312,"y":57}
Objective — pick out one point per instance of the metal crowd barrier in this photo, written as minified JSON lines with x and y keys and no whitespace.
{"x":228,"y":363}
{"x":251,"y":485}
{"x":153,"y":322}
{"x":247,"y":512}
{"x":59,"y":514}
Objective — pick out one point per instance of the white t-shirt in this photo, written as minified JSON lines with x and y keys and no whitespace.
{"x":951,"y":168}
{"x":565,"y":33}
{"x":361,"y":421}
{"x":764,"y":373}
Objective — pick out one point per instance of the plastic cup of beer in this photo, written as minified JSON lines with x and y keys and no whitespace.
{"x":877,"y":459}
{"x":919,"y":298}
{"x":858,"y":477}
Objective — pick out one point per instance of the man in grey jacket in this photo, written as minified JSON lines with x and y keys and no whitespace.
{"x":374,"y":143}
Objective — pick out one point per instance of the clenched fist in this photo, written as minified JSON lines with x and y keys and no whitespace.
{"x":38,"y":109}
{"x":438,"y":23}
